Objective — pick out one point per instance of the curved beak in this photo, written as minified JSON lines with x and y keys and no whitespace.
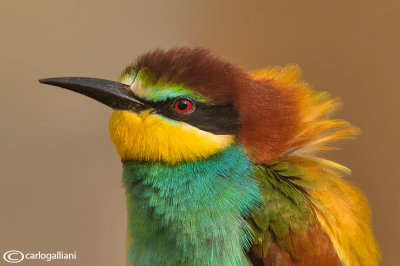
{"x":113,"y":94}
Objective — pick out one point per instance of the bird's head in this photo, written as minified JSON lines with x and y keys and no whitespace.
{"x":185,"y":115}
{"x":186,"y":104}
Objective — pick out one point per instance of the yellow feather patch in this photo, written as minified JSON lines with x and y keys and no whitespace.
{"x":341,"y":210}
{"x":150,"y":137}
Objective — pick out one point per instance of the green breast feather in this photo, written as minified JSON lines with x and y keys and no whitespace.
{"x":191,"y":213}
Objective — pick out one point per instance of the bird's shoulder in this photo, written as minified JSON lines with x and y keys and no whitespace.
{"x":310,"y":216}
{"x":286,"y":228}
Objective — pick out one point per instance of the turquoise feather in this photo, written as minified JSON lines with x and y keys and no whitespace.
{"x":191,"y":213}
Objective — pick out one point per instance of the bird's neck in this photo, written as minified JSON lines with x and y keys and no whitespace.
{"x":190,"y":213}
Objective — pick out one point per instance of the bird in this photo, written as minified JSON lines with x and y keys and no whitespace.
{"x":222,"y":166}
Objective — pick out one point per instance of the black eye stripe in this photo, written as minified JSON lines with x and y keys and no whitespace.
{"x":216,"y":119}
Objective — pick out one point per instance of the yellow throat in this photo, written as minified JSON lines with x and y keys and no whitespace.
{"x":150,"y":137}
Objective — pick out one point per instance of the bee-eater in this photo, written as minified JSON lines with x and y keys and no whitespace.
{"x":219,"y":165}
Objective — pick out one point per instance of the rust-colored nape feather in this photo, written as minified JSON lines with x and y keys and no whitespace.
{"x":269,"y":117}
{"x":282,"y":115}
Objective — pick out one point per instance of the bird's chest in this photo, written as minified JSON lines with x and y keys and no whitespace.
{"x":189,"y":213}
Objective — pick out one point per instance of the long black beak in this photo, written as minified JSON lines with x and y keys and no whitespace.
{"x":113,"y":94}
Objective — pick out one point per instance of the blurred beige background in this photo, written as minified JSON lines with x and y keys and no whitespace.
{"x":60,"y":184}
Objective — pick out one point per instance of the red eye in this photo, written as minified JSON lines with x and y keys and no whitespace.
{"x":183,"y":105}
